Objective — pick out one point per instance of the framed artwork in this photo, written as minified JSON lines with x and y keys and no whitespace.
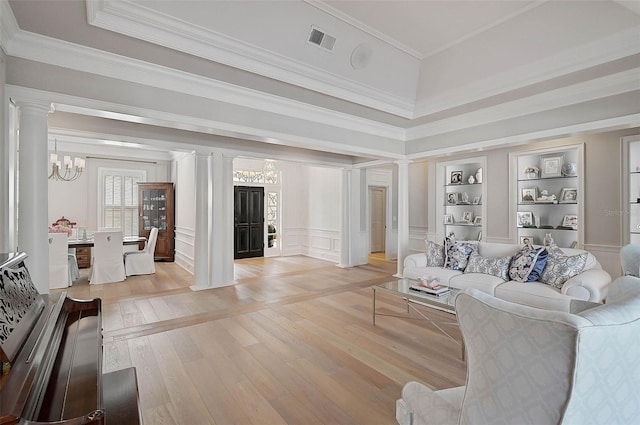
{"x":570,"y":220}
{"x":524,"y":218}
{"x":530,"y":194}
{"x":477,"y":200}
{"x":526,"y":240}
{"x":456,"y":177}
{"x":467,"y":216}
{"x":453,"y":198}
{"x":568,"y":195}
{"x":448,"y":219}
{"x":477,"y":221}
{"x":551,"y":165}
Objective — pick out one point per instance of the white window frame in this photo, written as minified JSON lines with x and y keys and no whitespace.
{"x":122,"y":172}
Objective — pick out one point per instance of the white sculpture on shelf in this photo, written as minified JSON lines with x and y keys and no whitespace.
{"x":479,"y":175}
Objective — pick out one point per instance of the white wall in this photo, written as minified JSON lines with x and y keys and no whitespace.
{"x":78,"y":200}
{"x":311,"y":211}
{"x":4,"y":164}
{"x":185,"y":223}
{"x":418,"y":205}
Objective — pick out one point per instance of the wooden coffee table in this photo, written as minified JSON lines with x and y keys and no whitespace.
{"x":413,"y":299}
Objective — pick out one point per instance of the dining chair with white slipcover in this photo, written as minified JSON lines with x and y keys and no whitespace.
{"x":59,"y":276}
{"x":142,"y":262}
{"x":107,"y":265}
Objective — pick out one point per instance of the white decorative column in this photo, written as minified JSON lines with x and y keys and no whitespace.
{"x":221,"y":253}
{"x":33,"y":204}
{"x":345,"y":230}
{"x":403,"y":213}
{"x":203,"y":227}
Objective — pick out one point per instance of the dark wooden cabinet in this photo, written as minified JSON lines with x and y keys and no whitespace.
{"x":156,"y":209}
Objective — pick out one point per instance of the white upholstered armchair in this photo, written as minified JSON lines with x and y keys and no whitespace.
{"x":532,"y":366}
{"x":630,"y":279}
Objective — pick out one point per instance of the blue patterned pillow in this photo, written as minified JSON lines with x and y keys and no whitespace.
{"x":458,"y":254}
{"x":561,"y":267}
{"x":435,"y":254}
{"x":528,"y":264}
{"x":498,"y":267}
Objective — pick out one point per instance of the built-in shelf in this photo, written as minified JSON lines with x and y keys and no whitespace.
{"x":631,"y":188}
{"x":549,"y":197}
{"x":462,"y":189}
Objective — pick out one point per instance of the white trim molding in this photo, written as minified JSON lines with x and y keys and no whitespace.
{"x":128,"y":18}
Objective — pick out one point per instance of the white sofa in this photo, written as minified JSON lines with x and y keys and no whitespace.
{"x":589,"y":285}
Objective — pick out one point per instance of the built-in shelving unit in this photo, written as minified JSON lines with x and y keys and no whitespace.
{"x":462,"y":189}
{"x":631,"y":178}
{"x":547,"y":192}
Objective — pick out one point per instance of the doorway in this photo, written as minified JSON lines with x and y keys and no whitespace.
{"x":248,"y":241}
{"x":378,"y":229}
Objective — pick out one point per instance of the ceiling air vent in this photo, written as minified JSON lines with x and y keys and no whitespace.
{"x":322,"y":39}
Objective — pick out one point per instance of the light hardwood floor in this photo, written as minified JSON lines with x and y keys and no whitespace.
{"x":292,"y":342}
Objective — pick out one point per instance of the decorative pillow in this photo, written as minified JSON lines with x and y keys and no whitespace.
{"x":528,"y":264}
{"x":435,"y":254}
{"x":458,"y":254}
{"x":498,"y":267}
{"x":561,"y":267}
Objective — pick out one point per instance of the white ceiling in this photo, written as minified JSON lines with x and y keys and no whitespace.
{"x":423,"y":67}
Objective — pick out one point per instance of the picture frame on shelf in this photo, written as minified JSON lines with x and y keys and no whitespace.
{"x":453,"y":198}
{"x":571,"y":221}
{"x":527,"y":240}
{"x":477,"y":220}
{"x":467,"y":217}
{"x":524,"y":219}
{"x":455,"y":177}
{"x":568,"y":195}
{"x":529,"y":194}
{"x":477,"y":200}
{"x":551,"y":165}
{"x":448,"y":219}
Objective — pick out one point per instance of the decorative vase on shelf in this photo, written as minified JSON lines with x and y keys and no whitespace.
{"x":471,"y":180}
{"x":479,"y":175}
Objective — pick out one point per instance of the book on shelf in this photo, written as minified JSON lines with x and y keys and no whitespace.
{"x":433,"y":290}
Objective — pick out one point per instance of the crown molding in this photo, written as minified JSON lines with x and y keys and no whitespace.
{"x":48,"y":50}
{"x":91,"y":143}
{"x":609,"y":85}
{"x":137,"y":21}
{"x":622,"y":44}
{"x":111,"y":110}
{"x":610,"y":124}
{"x":8,"y":24}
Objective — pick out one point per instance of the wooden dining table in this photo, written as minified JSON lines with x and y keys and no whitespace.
{"x":88,"y":243}
{"x":83,"y":248}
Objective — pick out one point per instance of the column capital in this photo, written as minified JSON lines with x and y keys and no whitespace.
{"x":201,"y":154}
{"x":403,"y":162}
{"x":35,"y":105}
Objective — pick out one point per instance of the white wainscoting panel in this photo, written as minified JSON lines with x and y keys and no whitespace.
{"x":184,"y":245}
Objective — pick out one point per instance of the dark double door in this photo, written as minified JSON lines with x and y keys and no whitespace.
{"x":249,"y":222}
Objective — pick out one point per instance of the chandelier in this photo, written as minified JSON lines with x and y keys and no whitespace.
{"x":70,"y":173}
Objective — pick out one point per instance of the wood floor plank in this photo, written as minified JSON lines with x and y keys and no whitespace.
{"x":291,"y":342}
{"x":185,"y":398}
